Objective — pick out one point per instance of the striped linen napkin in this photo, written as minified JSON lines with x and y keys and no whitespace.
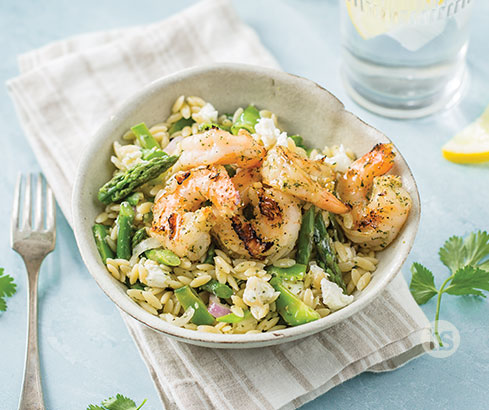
{"x":68,"y":88}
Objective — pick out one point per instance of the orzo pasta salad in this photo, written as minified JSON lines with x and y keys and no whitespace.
{"x":224,"y":223}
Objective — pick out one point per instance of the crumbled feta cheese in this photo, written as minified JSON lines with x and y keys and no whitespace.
{"x":282,"y":140}
{"x":316,"y":270}
{"x":269,"y":134}
{"x":333,"y":296}
{"x":156,"y":277}
{"x":258,"y":294}
{"x":259,"y":312}
{"x":339,"y":161}
{"x":206,"y":114}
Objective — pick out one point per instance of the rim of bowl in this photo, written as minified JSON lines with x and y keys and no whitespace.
{"x":106,"y":282}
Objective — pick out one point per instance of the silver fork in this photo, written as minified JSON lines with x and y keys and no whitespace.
{"x":33,"y":240}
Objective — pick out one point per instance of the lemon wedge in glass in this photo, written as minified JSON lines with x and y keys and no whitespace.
{"x":471,"y":145}
{"x":379,"y":16}
{"x":368,"y":24}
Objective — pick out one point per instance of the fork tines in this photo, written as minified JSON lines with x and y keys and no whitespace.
{"x":44,"y":206}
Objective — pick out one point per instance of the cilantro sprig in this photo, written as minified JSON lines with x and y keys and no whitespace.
{"x":7,"y":289}
{"x":468,"y":262}
{"x":119,"y":402}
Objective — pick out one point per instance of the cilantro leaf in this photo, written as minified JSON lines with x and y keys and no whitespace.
{"x":468,"y":261}
{"x":452,"y":254}
{"x":476,"y":247}
{"x":119,"y":402}
{"x":457,"y":253}
{"x":7,"y":289}
{"x":7,"y":285}
{"x":422,"y":284}
{"x":484,"y":265}
{"x":469,"y":280}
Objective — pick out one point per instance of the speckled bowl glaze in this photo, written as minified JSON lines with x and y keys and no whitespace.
{"x":304,"y":108}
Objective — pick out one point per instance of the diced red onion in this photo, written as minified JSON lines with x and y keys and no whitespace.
{"x":216,"y":308}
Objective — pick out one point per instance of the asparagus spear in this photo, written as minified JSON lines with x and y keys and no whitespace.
{"x":208,"y":125}
{"x":163,"y":256}
{"x":306,"y":233}
{"x":124,"y":233}
{"x":232,"y":318}
{"x":152,"y":153}
{"x":134,"y":198}
{"x":325,"y":252}
{"x":298,"y":140}
{"x":211,"y":252}
{"x":148,"y":217}
{"x":293,"y":310}
{"x":137,"y":285}
{"x":246,"y":120}
{"x":180,"y":125}
{"x":221,"y":290}
{"x":188,"y":298}
{"x":140,"y":235}
{"x":100,"y":233}
{"x":122,"y":185}
{"x":144,"y":136}
{"x":293,"y":273}
{"x":337,"y":230}
{"x":149,"y":146}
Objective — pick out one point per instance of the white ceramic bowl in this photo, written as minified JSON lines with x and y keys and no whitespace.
{"x":303,"y":107}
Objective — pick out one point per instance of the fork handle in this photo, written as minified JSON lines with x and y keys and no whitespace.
{"x":31,"y":397}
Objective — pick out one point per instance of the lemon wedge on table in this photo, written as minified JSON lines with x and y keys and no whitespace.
{"x":380,"y":16}
{"x":471,"y":145}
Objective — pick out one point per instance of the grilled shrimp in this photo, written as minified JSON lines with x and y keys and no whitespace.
{"x":379,"y":203}
{"x":301,"y":177}
{"x":266,"y":226}
{"x":219,"y":147}
{"x":180,"y":222}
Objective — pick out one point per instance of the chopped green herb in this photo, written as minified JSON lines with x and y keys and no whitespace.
{"x":231,"y":170}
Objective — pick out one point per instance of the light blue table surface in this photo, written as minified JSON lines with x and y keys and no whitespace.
{"x":86,"y":351}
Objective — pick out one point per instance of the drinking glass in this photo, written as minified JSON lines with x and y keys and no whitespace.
{"x":405,"y":58}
